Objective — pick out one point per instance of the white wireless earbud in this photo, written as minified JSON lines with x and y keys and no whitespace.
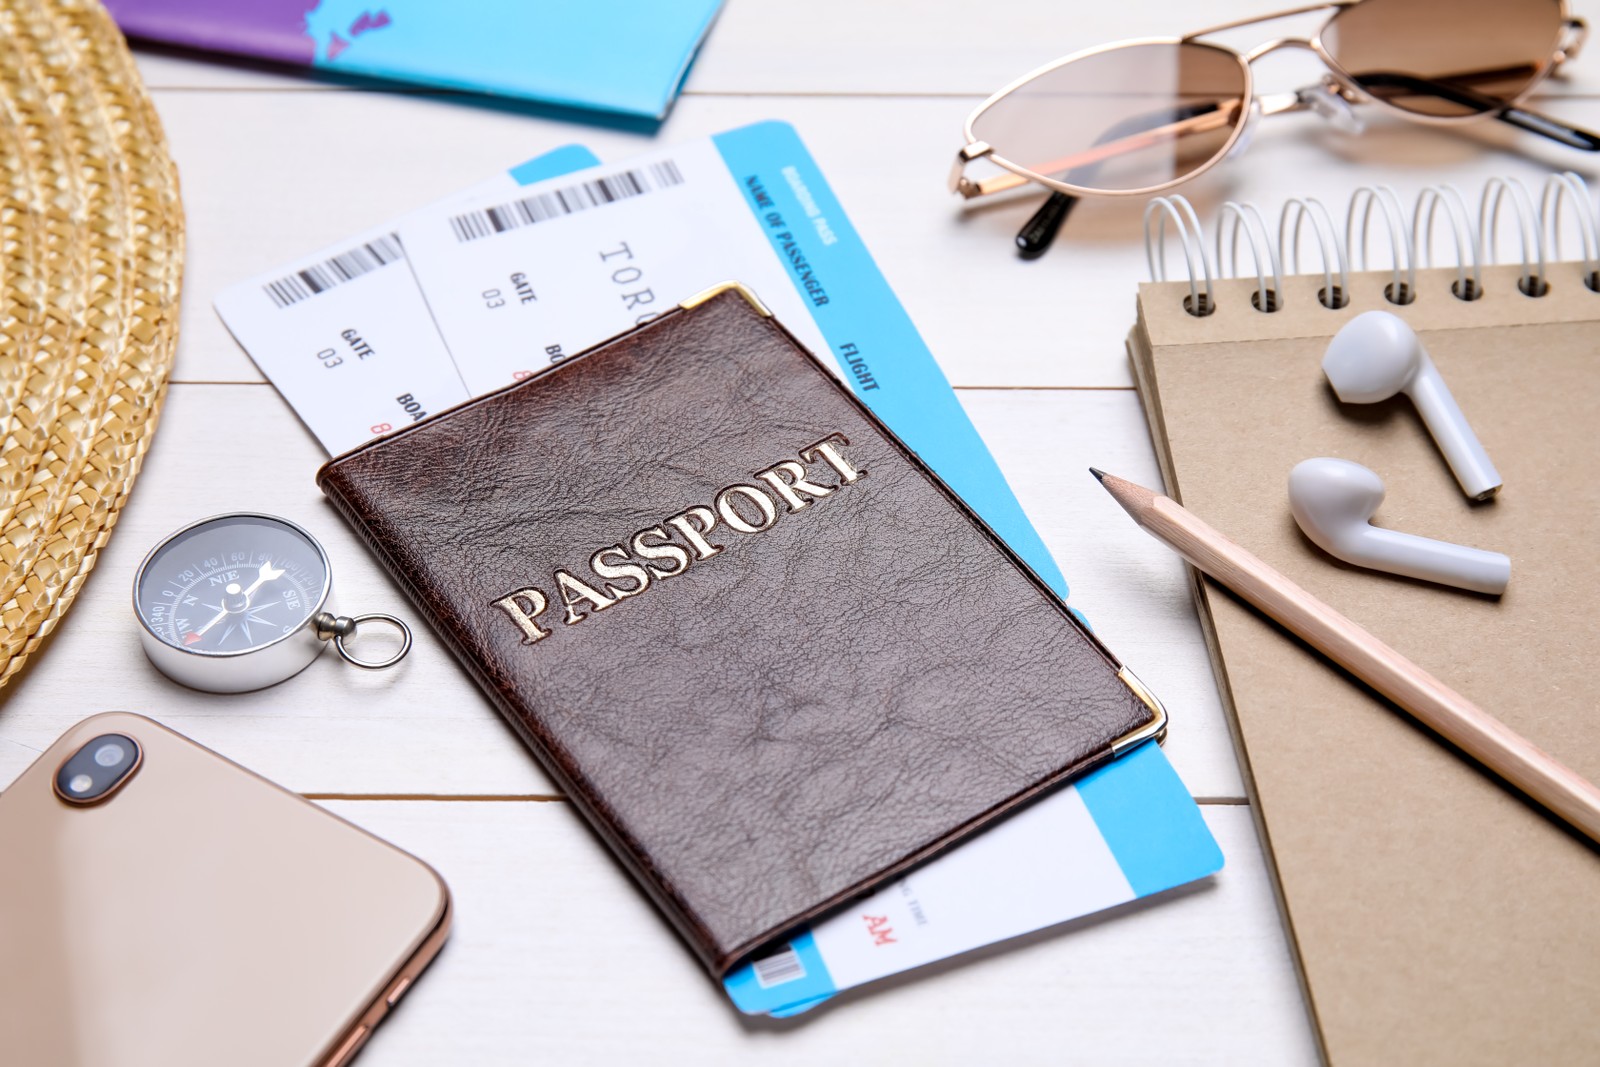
{"x":1375,"y":356}
{"x":1333,"y":500}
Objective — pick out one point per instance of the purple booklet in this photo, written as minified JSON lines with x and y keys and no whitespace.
{"x":624,"y":56}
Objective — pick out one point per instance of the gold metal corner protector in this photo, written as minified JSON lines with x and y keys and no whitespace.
{"x":722,"y":287}
{"x":1157,"y":726}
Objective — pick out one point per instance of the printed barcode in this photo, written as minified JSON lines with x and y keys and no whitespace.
{"x":783,"y":967}
{"x":566,"y":201}
{"x":307,"y":283}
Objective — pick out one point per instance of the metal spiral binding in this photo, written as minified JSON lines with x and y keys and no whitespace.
{"x":1190,"y":235}
{"x":1267,"y":298}
{"x":1529,"y":228}
{"x":1476,"y":240}
{"x":1333,"y":251}
{"x":1557,"y":189}
{"x":1403,"y":289}
{"x":1461,"y":228}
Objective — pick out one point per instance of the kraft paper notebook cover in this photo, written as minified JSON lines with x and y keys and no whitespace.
{"x":762,"y":648}
{"x":1437,"y":917}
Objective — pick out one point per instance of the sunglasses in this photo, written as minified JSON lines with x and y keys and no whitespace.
{"x":1138,"y":117}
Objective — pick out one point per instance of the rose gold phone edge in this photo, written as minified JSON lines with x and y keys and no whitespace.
{"x":405,"y":976}
{"x":359,"y":1032}
{"x":431,"y":918}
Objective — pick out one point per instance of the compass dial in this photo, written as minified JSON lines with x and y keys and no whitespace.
{"x":231,"y":584}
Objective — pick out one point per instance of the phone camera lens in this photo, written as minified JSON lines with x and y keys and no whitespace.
{"x":97,"y":769}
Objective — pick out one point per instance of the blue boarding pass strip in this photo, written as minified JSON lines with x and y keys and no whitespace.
{"x":1140,"y":806}
{"x":870,"y":335}
{"x":554,"y":164}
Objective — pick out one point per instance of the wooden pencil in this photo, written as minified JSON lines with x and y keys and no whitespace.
{"x":1455,"y":718}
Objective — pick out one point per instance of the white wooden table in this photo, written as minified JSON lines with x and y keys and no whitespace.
{"x":556,"y":958}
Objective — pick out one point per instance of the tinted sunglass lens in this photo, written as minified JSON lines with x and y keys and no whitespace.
{"x":1124,"y":119}
{"x":1445,"y":59}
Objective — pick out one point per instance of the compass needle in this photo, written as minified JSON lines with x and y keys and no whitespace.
{"x":266,"y":574}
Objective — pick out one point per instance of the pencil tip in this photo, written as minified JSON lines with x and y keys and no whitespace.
{"x":1099,"y":475}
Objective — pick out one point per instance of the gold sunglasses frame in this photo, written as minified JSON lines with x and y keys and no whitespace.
{"x":1568,"y":41}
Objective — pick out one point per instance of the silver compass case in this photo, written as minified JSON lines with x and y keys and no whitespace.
{"x":199,"y":573}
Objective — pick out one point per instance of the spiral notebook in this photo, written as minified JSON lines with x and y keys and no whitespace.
{"x":1437,"y":917}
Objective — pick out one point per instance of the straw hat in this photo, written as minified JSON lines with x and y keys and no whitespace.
{"x":91,"y":260}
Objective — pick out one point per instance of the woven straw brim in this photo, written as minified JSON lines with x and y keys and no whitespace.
{"x":91,"y":258}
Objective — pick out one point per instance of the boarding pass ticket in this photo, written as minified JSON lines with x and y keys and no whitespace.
{"x":346,"y":335}
{"x":552,"y":256}
{"x":1123,"y":832}
{"x":474,"y":293}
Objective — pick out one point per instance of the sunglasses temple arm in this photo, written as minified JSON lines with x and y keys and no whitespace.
{"x":1554,"y":129}
{"x":1039,"y":232}
{"x":1520,"y":117}
{"x":1118,"y":141}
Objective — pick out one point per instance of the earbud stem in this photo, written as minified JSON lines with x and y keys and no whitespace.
{"x":1461,"y":447}
{"x":1443,"y":562}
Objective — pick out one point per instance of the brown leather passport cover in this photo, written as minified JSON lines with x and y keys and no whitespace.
{"x":764,"y":649}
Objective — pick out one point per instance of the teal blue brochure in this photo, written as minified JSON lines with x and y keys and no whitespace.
{"x":868,"y":332}
{"x":628,"y":57}
{"x":624,"y":56}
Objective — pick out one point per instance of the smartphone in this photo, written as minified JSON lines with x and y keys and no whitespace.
{"x":161,"y":905}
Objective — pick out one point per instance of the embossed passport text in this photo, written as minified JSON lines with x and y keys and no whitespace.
{"x":770,"y":657}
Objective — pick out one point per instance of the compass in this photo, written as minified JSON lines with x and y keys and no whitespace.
{"x":242,"y":601}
